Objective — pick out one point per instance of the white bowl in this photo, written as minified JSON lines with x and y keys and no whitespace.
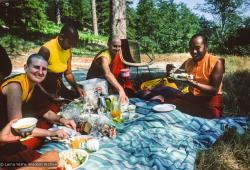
{"x":25,"y":124}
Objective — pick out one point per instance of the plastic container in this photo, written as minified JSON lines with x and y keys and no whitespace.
{"x":91,"y":87}
{"x":125,"y":72}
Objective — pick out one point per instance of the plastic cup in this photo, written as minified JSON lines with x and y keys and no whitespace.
{"x":115,"y":110}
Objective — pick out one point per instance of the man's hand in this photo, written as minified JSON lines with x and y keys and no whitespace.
{"x":6,"y":135}
{"x":192,"y":82}
{"x":68,"y":122}
{"x":80,"y":91}
{"x":123,"y":97}
{"x":59,"y":133}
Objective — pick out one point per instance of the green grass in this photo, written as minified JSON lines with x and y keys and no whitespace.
{"x":15,"y":45}
{"x":231,"y":151}
{"x":236,"y":63}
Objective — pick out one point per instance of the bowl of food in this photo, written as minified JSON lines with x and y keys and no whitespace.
{"x":24,"y":125}
{"x":73,"y":158}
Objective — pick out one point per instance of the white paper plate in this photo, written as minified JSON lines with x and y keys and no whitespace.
{"x":164,"y":107}
{"x":68,"y":154}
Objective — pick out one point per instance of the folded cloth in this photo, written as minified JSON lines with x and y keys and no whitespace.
{"x":162,"y":140}
{"x":150,"y":84}
{"x":161,"y":93}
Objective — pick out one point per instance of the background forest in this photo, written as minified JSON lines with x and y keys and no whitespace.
{"x":159,"y":25}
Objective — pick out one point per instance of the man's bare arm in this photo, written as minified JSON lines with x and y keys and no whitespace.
{"x":13,"y":91}
{"x":70,"y":78}
{"x":217,"y":76}
{"x":112,"y":80}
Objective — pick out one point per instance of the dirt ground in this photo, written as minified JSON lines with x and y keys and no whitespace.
{"x":84,"y":62}
{"x":77,"y":62}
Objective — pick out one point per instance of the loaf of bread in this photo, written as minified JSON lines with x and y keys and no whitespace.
{"x":84,"y":127}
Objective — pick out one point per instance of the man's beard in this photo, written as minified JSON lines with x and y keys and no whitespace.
{"x":198,"y":56}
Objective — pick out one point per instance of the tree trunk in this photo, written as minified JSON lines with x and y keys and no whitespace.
{"x":117,"y":18}
{"x":94,"y":18}
{"x":58,"y":14}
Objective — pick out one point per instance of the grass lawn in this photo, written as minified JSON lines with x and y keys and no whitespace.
{"x":231,"y":151}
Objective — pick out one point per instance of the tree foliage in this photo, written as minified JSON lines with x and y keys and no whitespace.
{"x":78,"y":12}
{"x":161,"y":25}
{"x":227,"y":21}
{"x":17,"y":14}
{"x":164,"y":26}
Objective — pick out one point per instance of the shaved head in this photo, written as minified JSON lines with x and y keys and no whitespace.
{"x":113,"y":38}
{"x":114,"y":45}
{"x":33,"y":56}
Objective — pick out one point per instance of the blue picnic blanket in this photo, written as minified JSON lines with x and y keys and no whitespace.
{"x":166,"y":140}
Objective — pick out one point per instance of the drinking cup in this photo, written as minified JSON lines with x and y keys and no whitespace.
{"x":115,"y":109}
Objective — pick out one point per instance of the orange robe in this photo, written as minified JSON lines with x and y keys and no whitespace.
{"x":197,"y":102}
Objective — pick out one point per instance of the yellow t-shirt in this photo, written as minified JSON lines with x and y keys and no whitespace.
{"x":58,"y":59}
{"x":24,"y":83}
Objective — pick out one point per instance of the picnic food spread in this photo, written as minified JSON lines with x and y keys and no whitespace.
{"x":95,"y":122}
{"x":162,"y":128}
